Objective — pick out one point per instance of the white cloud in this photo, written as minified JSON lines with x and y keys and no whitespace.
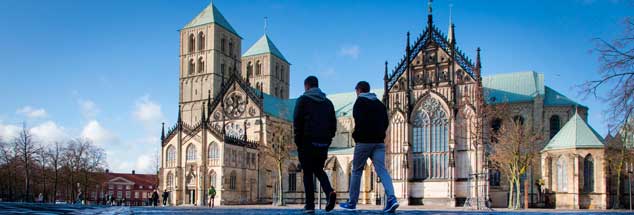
{"x":49,"y":132}
{"x":8,"y":132}
{"x":97,"y":133}
{"x":328,"y":72}
{"x":32,"y":112}
{"x":148,"y":112}
{"x":89,"y":109}
{"x":352,"y":51}
{"x":144,"y":163}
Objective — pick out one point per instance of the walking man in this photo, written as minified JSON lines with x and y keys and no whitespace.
{"x":212,"y":195}
{"x":166,"y":195}
{"x":315,"y":125}
{"x":370,"y":124}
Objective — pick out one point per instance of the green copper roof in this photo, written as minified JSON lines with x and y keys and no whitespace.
{"x":344,"y":102}
{"x":576,"y":134}
{"x":280,"y":108}
{"x":264,"y":46}
{"x":554,"y":98}
{"x":513,"y":87}
{"x":211,"y":14}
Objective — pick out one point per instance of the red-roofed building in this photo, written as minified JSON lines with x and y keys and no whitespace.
{"x":129,"y":189}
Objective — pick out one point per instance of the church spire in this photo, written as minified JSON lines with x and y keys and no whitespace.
{"x":451,"y":34}
{"x":180,"y":121}
{"x":478,"y":64}
{"x":429,"y":11}
{"x":162,"y":132}
{"x":202,"y":114}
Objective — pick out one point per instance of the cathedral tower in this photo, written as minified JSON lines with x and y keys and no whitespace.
{"x":209,"y":48}
{"x":266,"y":68}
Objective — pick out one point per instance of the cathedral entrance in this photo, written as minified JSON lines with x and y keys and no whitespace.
{"x":191,"y":196}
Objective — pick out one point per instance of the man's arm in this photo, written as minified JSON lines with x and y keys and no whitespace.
{"x":333,"y":121}
{"x":298,"y":122}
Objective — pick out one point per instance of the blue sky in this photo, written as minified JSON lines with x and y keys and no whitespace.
{"x":108,"y":69}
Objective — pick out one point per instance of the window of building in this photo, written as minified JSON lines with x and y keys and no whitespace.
{"x":127,"y":194}
{"x":250,"y":69}
{"x":231,"y":47}
{"x":171,"y":156}
{"x":562,"y":177}
{"x":191,"y":43}
{"x":212,"y":178}
{"x":430,"y":142}
{"x":170,"y":180}
{"x":111,"y":193}
{"x":128,"y":187}
{"x":136,"y":194}
{"x":222,"y":44}
{"x":292,"y":181}
{"x":213,"y":151}
{"x":119,"y":194}
{"x":110,"y":186}
{"x":191,"y":152}
{"x":222,"y":68}
{"x":192,"y":67}
{"x":232,"y":181}
{"x":588,"y":174}
{"x":201,"y":41}
{"x":258,"y":68}
{"x":141,"y":187}
{"x":554,"y":125}
{"x":494,"y":177}
{"x":201,"y":65}
{"x":119,"y":187}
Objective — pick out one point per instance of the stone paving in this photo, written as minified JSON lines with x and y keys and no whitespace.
{"x":32,"y":208}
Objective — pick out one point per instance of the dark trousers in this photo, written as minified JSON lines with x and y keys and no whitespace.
{"x":312,"y":160}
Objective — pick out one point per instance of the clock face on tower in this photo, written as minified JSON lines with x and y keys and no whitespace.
{"x":235,"y":105}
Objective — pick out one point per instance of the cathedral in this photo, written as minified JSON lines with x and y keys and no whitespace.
{"x":235,"y":113}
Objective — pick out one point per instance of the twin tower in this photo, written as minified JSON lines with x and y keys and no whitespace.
{"x":210,"y":51}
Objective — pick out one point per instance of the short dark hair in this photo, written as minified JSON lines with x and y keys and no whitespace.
{"x":311,"y":81}
{"x":363,"y":86}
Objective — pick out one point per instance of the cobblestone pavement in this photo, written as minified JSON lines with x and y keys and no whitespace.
{"x":31,"y":208}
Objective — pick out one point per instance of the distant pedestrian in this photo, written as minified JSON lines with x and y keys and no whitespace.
{"x":80,"y":198}
{"x":212,"y":195}
{"x":370,"y":124}
{"x":155,"y":198}
{"x":166,"y":195}
{"x":315,"y":124}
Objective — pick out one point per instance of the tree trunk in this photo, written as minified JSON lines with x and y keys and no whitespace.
{"x":280,"y":189}
{"x":517,"y":193}
{"x":511,"y":202}
{"x":617,"y":200}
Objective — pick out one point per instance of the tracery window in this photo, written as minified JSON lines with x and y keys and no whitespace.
{"x":201,"y":41}
{"x":201,"y":65}
{"x":170,"y":180}
{"x":222,"y":45}
{"x":250,"y":69}
{"x":171,"y":156}
{"x":232,"y":181}
{"x":213,"y":151}
{"x":192,"y":67}
{"x":430,"y":141}
{"x":191,"y":152}
{"x":191,"y":43}
{"x":258,"y":68}
{"x":588,"y":174}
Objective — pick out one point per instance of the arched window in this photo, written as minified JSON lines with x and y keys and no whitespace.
{"x":494,"y":177}
{"x":231,"y":47}
{"x":588,"y":174}
{"x":191,"y":43}
{"x":554,"y":125}
{"x":292,"y":180}
{"x":250,"y":69}
{"x":277,"y":69}
{"x":191,"y":152}
{"x":222,"y":44}
{"x":171,"y":156}
{"x":562,"y":177}
{"x":201,"y":65}
{"x":430,"y":141}
{"x":213,"y":151}
{"x":496,"y":124}
{"x":191,"y":68}
{"x":282,"y":75}
{"x":201,"y":41}
{"x":258,"y":68}
{"x":170,"y":180}
{"x":212,"y":179}
{"x":233,"y":180}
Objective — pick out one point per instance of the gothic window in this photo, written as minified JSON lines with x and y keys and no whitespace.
{"x":277,"y":69}
{"x":397,"y":137}
{"x":171,"y":156}
{"x":494,"y":177}
{"x":496,"y":124}
{"x":222,"y":68}
{"x":430,"y":141}
{"x":170,"y":180}
{"x":588,"y":174}
{"x":213,"y":151}
{"x":191,"y":43}
{"x":233,"y":180}
{"x":283,"y":75}
{"x":562,"y":177}
{"x":201,"y":65}
{"x":201,"y":41}
{"x":231,"y":47}
{"x":222,"y":45}
{"x":292,"y":181}
{"x":192,"y":67}
{"x":258,"y":68}
{"x":191,"y":152}
{"x":554,"y":125}
{"x":250,"y":69}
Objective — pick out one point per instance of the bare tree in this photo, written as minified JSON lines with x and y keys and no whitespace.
{"x":513,"y":151}
{"x":618,"y":154}
{"x":26,"y":149}
{"x":54,"y":154}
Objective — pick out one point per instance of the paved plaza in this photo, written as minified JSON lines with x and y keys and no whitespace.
{"x":31,"y":208}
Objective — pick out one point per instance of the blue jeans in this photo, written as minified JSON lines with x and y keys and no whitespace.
{"x":376,"y":152}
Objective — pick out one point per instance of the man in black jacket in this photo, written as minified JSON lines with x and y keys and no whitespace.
{"x":315,"y":124}
{"x":370,"y":124}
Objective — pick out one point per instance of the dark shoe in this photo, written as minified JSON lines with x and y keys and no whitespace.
{"x":391,"y":205}
{"x":348,"y":206}
{"x":332,"y":200}
{"x":308,"y":209}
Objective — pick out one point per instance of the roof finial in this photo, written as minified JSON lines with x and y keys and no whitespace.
{"x":429,"y":6}
{"x":266,"y":24}
{"x":451,"y":36}
{"x":429,"y":17}
{"x":162,"y":132}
